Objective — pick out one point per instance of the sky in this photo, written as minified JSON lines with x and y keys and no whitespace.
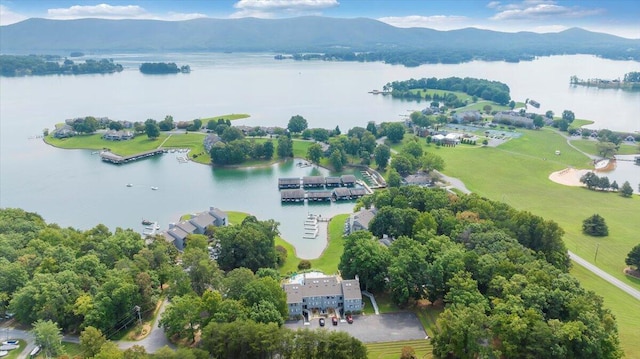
{"x":617,"y":17}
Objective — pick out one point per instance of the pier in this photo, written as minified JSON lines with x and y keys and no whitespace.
{"x":108,"y":156}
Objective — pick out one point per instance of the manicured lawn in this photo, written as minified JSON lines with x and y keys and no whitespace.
{"x":392,"y":350}
{"x":590,"y":146}
{"x":330,"y":257}
{"x":577,"y":123}
{"x":442,"y":93}
{"x":230,"y":117}
{"x":623,"y":306}
{"x":139,"y":144}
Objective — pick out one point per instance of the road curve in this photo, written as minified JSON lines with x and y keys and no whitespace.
{"x":606,"y":276}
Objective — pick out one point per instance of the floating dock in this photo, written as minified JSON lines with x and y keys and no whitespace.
{"x":108,"y":156}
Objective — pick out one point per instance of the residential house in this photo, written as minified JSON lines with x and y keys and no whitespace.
{"x":64,"y":132}
{"x":211,"y":140}
{"x":467,"y":116}
{"x":512,"y":118}
{"x":197,"y":224}
{"x":308,"y":293}
{"x":359,"y":221}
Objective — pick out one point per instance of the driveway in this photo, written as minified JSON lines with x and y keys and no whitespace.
{"x":388,"y":327}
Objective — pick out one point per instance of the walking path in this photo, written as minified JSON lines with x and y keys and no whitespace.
{"x":373,"y":301}
{"x":156,"y":338}
{"x":606,"y":276}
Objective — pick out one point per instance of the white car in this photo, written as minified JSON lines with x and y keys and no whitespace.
{"x":3,"y":353}
{"x":11,"y":342}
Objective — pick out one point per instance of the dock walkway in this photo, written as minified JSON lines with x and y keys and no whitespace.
{"x":108,"y":156}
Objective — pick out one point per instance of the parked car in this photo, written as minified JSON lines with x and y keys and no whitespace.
{"x":11,"y":342}
{"x":334,"y":320}
{"x":34,"y":352}
{"x":349,"y":319}
{"x":3,"y":353}
{"x":321,"y":322}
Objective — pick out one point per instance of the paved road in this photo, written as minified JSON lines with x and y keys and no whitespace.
{"x":606,"y":276}
{"x":156,"y":338}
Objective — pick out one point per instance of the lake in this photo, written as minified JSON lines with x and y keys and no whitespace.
{"x":74,"y":188}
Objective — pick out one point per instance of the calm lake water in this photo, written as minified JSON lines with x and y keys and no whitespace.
{"x":73,"y":188}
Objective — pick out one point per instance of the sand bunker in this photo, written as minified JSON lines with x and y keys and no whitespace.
{"x":568,"y":177}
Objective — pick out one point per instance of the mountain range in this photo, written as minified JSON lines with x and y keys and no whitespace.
{"x":296,"y":35}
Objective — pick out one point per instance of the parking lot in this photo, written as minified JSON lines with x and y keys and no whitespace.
{"x":373,"y":328}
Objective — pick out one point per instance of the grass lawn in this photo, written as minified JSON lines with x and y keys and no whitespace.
{"x":330,"y":257}
{"x":577,"y":123}
{"x":392,"y":350}
{"x":590,"y":146}
{"x":620,"y":303}
{"x":139,"y":144}
{"x":428,"y":316}
{"x":230,"y":117}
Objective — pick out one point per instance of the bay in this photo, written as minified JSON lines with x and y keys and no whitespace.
{"x":73,"y":188}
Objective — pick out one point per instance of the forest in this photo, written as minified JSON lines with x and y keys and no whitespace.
{"x":488,"y":90}
{"x":12,"y":65}
{"x":94,"y":282}
{"x":163,"y":68}
{"x":501,"y":274}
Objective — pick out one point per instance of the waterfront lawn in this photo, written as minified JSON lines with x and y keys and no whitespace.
{"x":138,"y":144}
{"x":230,"y":117}
{"x":620,"y":304}
{"x":330,"y":257}
{"x":590,"y":146}
{"x":577,"y":123}
{"x":392,"y":350}
{"x":442,"y":93}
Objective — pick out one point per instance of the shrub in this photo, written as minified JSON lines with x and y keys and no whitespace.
{"x":304,"y":264}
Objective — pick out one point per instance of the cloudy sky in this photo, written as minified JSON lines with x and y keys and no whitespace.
{"x":618,"y":17}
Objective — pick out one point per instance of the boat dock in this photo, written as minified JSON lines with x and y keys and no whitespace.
{"x":340,"y":193}
{"x":108,"y":156}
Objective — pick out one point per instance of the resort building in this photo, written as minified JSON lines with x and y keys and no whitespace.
{"x":317,"y":293}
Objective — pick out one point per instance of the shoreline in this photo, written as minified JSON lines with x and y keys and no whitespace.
{"x":569,"y":177}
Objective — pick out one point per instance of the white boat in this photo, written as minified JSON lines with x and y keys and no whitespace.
{"x":154,"y":188}
{"x":129,"y":185}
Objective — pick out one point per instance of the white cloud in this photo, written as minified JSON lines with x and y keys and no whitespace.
{"x":275,"y":8}
{"x":493,"y":4}
{"x":106,"y":11}
{"x":99,"y":11}
{"x":438,"y":22}
{"x":537,"y":9}
{"x":8,"y":17}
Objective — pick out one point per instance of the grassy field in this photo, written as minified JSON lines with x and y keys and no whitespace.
{"x":620,"y":303}
{"x":95,"y":142}
{"x":517,"y":173}
{"x":230,"y":117}
{"x":590,"y":146}
{"x":392,"y":350}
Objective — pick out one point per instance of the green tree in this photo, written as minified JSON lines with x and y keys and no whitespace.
{"x":182,"y":317}
{"x":109,"y":350}
{"x":413,"y":149}
{"x":487,"y":109}
{"x":606,"y":149}
{"x":595,"y":226}
{"x":151,"y":129}
{"x":382,"y":153}
{"x":626,"y":190}
{"x":304,"y":264}
{"x":394,"y":179}
{"x":430,"y":161}
{"x":549,"y":114}
{"x":336,"y":160}
{"x":48,"y":336}
{"x":633,"y":258}
{"x":395,"y":132}
{"x":91,"y":340}
{"x":403,"y":164}
{"x":267,"y":150}
{"x":568,"y":116}
{"x":364,"y":257}
{"x":314,"y":153}
{"x":297,"y":124}
{"x":371,"y":127}
{"x":250,"y":244}
{"x":285,"y":147}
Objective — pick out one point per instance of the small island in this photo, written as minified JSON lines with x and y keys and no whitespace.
{"x":37,"y":65}
{"x":631,"y":81}
{"x":155,"y":68}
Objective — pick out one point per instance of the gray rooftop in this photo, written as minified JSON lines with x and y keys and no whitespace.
{"x":351,"y":289}
{"x":203,"y":219}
